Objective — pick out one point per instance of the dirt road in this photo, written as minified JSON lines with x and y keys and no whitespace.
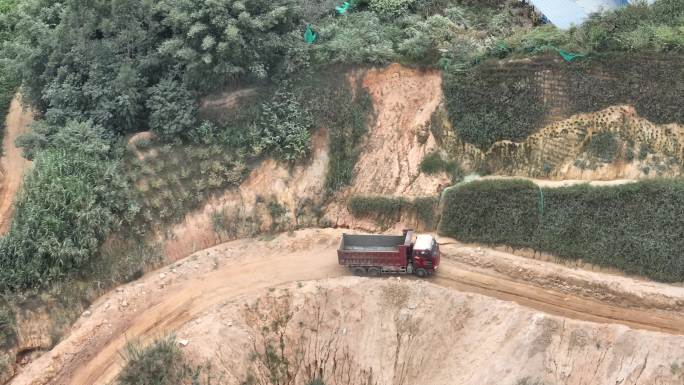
{"x":163,"y":301}
{"x":12,"y":164}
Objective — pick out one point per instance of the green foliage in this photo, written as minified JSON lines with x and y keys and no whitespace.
{"x":634,"y":227}
{"x":282,"y":128}
{"x":8,"y":333}
{"x":161,"y":363}
{"x":495,"y":101}
{"x":7,"y":5}
{"x":379,"y":206}
{"x":345,"y":114}
{"x":172,"y":108}
{"x":390,"y":7}
{"x":603,"y":146}
{"x":389,"y":209}
{"x":316,"y":381}
{"x":72,"y":198}
{"x":179,"y":177}
{"x":434,"y":163}
{"x":637,"y":27}
{"x":426,"y":210}
{"x":489,"y":104}
{"x":7,"y":90}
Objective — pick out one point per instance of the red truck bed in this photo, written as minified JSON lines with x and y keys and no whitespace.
{"x":374,"y":250}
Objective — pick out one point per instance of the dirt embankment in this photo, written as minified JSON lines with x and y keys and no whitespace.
{"x":403,"y":101}
{"x":13,"y":165}
{"x":356,"y":326}
{"x":410,"y":122}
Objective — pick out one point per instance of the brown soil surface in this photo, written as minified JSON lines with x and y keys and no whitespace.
{"x":496,"y":316}
{"x":13,"y":165}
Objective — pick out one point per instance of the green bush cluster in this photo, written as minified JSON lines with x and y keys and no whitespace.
{"x":282,"y":128}
{"x":635,"y":28}
{"x":434,"y":163}
{"x":8,"y":333}
{"x":7,"y":90}
{"x":635,"y":227}
{"x":603,"y":146}
{"x":389,"y":209}
{"x":344,"y":109}
{"x":172,"y":108}
{"x":161,"y":363}
{"x":178,"y":178}
{"x":72,"y":198}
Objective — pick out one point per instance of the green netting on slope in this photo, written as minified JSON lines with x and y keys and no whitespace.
{"x":569,"y":56}
{"x":309,"y":35}
{"x":342,"y":9}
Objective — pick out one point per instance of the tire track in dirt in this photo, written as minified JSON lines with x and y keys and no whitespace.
{"x":89,"y":356}
{"x":13,"y":164}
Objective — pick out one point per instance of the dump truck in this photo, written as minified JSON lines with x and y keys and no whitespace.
{"x":389,"y":254}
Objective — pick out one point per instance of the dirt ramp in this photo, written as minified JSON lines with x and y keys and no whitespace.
{"x":370,"y":331}
{"x":12,"y":165}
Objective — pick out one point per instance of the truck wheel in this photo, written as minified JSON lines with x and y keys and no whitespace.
{"x":359,"y":271}
{"x":422,"y":273}
{"x":374,"y":272}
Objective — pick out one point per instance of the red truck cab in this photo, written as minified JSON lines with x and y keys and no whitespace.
{"x":377,"y":254}
{"x":426,"y":253}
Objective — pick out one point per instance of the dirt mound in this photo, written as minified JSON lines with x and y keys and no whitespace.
{"x":202,"y":299}
{"x":13,"y":165}
{"x":354,"y":330}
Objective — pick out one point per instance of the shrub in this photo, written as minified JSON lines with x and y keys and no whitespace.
{"x":172,"y":108}
{"x":603,"y":146}
{"x":282,"y":128}
{"x":161,"y":363}
{"x":376,"y":206}
{"x":390,"y":7}
{"x":426,"y":210}
{"x":8,"y":332}
{"x":347,"y":131}
{"x":389,"y":209}
{"x":433,"y":163}
{"x":635,"y":227}
{"x":492,"y":103}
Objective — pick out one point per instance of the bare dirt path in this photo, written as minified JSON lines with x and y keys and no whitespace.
{"x":164,"y":301}
{"x":12,"y":164}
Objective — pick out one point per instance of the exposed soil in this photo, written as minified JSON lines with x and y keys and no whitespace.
{"x":477,"y":339}
{"x":13,"y":165}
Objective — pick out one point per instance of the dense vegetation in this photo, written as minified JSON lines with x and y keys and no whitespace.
{"x":489,"y":100}
{"x":495,"y":102}
{"x":72,"y":198}
{"x":8,"y":83}
{"x":388,"y":210}
{"x":636,"y":227}
{"x":434,"y":163}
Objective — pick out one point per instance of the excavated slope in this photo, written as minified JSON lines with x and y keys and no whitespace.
{"x":486,"y":318}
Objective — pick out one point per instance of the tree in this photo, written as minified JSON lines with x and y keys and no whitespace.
{"x":173,"y":110}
